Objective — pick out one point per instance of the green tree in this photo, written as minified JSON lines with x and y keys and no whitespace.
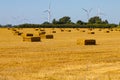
{"x":80,"y":22}
{"x":46,"y":23}
{"x":105,"y":22}
{"x":95,"y":20}
{"x":65,"y":20}
{"x":55,"y":21}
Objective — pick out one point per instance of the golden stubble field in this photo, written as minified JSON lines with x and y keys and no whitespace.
{"x":60,"y":58}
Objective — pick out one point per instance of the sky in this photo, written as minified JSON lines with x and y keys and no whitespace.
{"x":32,"y":11}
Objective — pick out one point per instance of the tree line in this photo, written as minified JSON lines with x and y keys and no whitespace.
{"x":65,"y":22}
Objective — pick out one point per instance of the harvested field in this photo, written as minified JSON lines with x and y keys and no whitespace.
{"x":60,"y":58}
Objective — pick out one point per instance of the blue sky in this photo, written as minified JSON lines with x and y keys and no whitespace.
{"x":32,"y":11}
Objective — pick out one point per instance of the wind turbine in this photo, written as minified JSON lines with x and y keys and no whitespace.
{"x":49,"y":12}
{"x":99,"y":13}
{"x":87,"y":12}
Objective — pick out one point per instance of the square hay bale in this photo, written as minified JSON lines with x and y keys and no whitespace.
{"x":53,"y":31}
{"x":41,"y":33}
{"x":49,"y":36}
{"x":107,"y":31}
{"x":42,"y":30}
{"x":36,"y":29}
{"x":68,"y":30}
{"x":100,"y":30}
{"x":29,"y":34}
{"x":62,"y":30}
{"x":82,"y":30}
{"x":31,"y":39}
{"x":91,"y":32}
{"x":90,"y":29}
{"x":86,"y":42}
{"x":35,"y":39}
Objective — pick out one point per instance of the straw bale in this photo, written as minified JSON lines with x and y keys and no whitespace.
{"x":90,"y":29}
{"x":42,"y":30}
{"x":53,"y":31}
{"x":31,"y":39}
{"x":36,"y":29}
{"x":41,"y":33}
{"x":86,"y":42}
{"x":91,"y":32}
{"x":49,"y":36}
{"x":68,"y":30}
{"x":82,"y":30}
{"x":107,"y":31}
{"x":62,"y":30}
{"x":29,"y":34}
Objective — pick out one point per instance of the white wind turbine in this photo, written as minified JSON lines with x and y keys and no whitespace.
{"x":49,"y":12}
{"x":99,"y":13}
{"x":87,"y":12}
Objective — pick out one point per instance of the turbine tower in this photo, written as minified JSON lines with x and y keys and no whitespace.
{"x":87,"y":12}
{"x":49,"y":12}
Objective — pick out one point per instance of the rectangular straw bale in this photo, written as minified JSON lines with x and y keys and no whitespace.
{"x":107,"y":31}
{"x":68,"y":30}
{"x":90,"y":29}
{"x":49,"y":36}
{"x":62,"y":30}
{"x":36,"y":29}
{"x":53,"y":31}
{"x":29,"y":34}
{"x":91,"y":32}
{"x":35,"y":39}
{"x":31,"y":39}
{"x":86,"y":42}
{"x":82,"y":30}
{"x":42,"y":32}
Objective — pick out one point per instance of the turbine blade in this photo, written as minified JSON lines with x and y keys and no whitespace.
{"x":90,"y":10}
{"x":85,"y":10}
{"x":50,"y":5}
{"x":46,"y":11}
